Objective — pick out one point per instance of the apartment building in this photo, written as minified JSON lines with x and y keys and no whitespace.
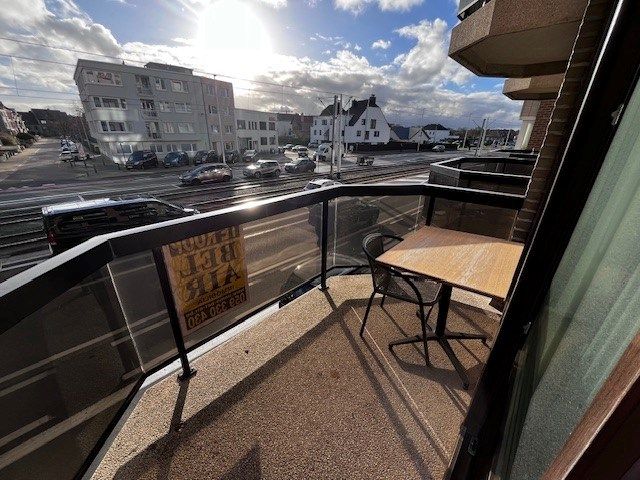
{"x":364,"y":122}
{"x":256,"y":130}
{"x":11,"y":121}
{"x":157,"y":107}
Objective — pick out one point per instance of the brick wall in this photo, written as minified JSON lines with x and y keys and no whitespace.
{"x":563,"y":112}
{"x":539,"y":129}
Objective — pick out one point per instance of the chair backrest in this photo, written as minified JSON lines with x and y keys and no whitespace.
{"x":373,"y":246}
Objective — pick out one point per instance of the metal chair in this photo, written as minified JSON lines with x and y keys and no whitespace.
{"x":390,"y":281}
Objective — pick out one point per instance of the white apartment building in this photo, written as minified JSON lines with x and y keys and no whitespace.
{"x":256,"y":130}
{"x":157,"y":107}
{"x":364,"y":122}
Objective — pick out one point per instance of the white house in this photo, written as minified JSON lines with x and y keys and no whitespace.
{"x":364,"y":122}
{"x":433,"y":132}
{"x":256,"y":130}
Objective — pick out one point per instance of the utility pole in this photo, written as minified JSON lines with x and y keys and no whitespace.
{"x":215,"y":90}
{"x":204,"y":109}
{"x":484,"y":132}
{"x":508,"y":135}
{"x":341,"y":130}
{"x":333,"y":136}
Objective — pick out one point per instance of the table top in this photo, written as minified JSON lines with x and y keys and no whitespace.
{"x":477,"y":263}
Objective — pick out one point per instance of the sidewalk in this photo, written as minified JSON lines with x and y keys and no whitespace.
{"x":13,"y":163}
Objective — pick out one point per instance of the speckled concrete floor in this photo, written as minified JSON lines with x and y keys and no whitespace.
{"x":300,"y":395}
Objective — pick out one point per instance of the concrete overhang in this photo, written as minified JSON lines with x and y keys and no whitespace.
{"x":517,"y":38}
{"x":544,"y":87}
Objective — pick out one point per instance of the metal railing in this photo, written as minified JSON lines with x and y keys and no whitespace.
{"x":107,"y":294}
{"x":467,"y":7}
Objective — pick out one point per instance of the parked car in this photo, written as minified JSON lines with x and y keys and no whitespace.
{"x":231,"y":156}
{"x":142,"y":159}
{"x":175,"y":159}
{"x":297,"y":148}
{"x":249,"y":155}
{"x":210,"y":172}
{"x":300,"y":165}
{"x":262,"y":168}
{"x":323,"y":153}
{"x":438,"y":148}
{"x":281,"y":149}
{"x":288,"y":146}
{"x":205,"y":156}
{"x":69,"y":224}
{"x":312,"y":145}
{"x":320,"y":183}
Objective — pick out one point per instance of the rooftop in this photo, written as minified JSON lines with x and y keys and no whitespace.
{"x":301,"y":392}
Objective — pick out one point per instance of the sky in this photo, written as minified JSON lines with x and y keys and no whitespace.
{"x":280,"y":55}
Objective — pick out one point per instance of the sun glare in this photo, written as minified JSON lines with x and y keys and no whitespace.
{"x":231,"y":37}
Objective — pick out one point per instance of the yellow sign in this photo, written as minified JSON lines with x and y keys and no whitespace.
{"x":208,"y":276}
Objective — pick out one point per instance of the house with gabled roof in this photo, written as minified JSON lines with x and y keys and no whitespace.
{"x":364,"y":122}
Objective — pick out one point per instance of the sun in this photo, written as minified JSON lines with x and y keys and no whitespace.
{"x":232,"y":38}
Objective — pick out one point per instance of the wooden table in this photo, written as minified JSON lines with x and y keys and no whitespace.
{"x":476,"y":263}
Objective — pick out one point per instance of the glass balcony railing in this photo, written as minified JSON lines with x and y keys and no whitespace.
{"x":81,"y":331}
{"x":467,"y":7}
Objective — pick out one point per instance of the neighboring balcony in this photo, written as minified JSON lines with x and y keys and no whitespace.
{"x":516,"y":38}
{"x":544,"y":87}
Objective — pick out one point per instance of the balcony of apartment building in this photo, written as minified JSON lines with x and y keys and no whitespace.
{"x":516,"y":38}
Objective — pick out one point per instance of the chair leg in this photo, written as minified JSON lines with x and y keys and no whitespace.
{"x":423,"y":321}
{"x":382,"y":301}
{"x":366,"y":314}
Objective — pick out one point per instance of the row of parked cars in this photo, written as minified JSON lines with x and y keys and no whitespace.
{"x":143,"y":159}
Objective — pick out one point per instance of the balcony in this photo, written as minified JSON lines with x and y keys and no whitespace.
{"x":516,"y":38}
{"x":149,"y":113}
{"x":544,"y":87}
{"x":289,"y":392}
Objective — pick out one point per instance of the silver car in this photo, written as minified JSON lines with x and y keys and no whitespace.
{"x":262,"y":168}
{"x":209,"y":172}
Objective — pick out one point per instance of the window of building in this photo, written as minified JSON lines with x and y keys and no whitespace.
{"x":228,"y":129}
{"x":214,"y":128}
{"x":107,"y":102}
{"x":324,"y":122}
{"x":97,"y":102}
{"x":129,"y":126}
{"x":376,"y":133}
{"x":210,"y":89}
{"x":359,"y":133}
{"x":102,"y":77}
{"x":263,"y":140}
{"x":263,"y":125}
{"x":213,"y":109}
{"x":272,"y":140}
{"x":228,"y":146}
{"x":167,"y":127}
{"x":142,"y":81}
{"x":117,"y":127}
{"x":226,"y":111}
{"x":314,"y":132}
{"x":161,"y":84}
{"x":147,"y":105}
{"x":184,"y":127}
{"x":179,"y":86}
{"x":366,"y":134}
{"x":172,"y":148}
{"x":373,"y":123}
{"x":194,"y":147}
{"x":159,"y":148}
{"x":315,"y":122}
{"x":241,"y":124}
{"x":183,"y":107}
{"x":185,"y":147}
{"x":272,"y":125}
{"x":164,"y":106}
{"x":123,"y":148}
{"x":363,"y":122}
{"x":225,"y":92}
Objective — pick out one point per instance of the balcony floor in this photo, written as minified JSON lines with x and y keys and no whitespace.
{"x":300,"y":395}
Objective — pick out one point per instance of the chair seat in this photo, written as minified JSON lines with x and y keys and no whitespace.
{"x":429,"y":290}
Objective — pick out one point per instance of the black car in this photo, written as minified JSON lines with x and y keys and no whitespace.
{"x":175,"y":159}
{"x":300,"y":165}
{"x":142,"y":159}
{"x":68,"y":224}
{"x":205,"y":156}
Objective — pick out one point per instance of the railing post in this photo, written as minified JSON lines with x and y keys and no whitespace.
{"x":431,"y":205}
{"x":324,"y":239}
{"x":161,"y":267}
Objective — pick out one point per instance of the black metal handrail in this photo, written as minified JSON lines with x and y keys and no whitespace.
{"x":452,"y":168}
{"x":28,"y":291}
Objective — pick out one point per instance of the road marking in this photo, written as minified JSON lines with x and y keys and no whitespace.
{"x":62,"y":427}
{"x":22,"y":430}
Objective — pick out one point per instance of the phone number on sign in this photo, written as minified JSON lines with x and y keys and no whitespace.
{"x":207,"y":312}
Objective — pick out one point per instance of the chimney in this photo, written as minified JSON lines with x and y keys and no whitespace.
{"x":372,"y":100}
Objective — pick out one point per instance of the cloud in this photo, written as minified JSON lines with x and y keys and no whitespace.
{"x":275,"y":3}
{"x":422,"y":77}
{"x":381,"y":44}
{"x":357,"y":6}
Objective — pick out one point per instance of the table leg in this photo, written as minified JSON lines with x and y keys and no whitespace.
{"x":443,"y":309}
